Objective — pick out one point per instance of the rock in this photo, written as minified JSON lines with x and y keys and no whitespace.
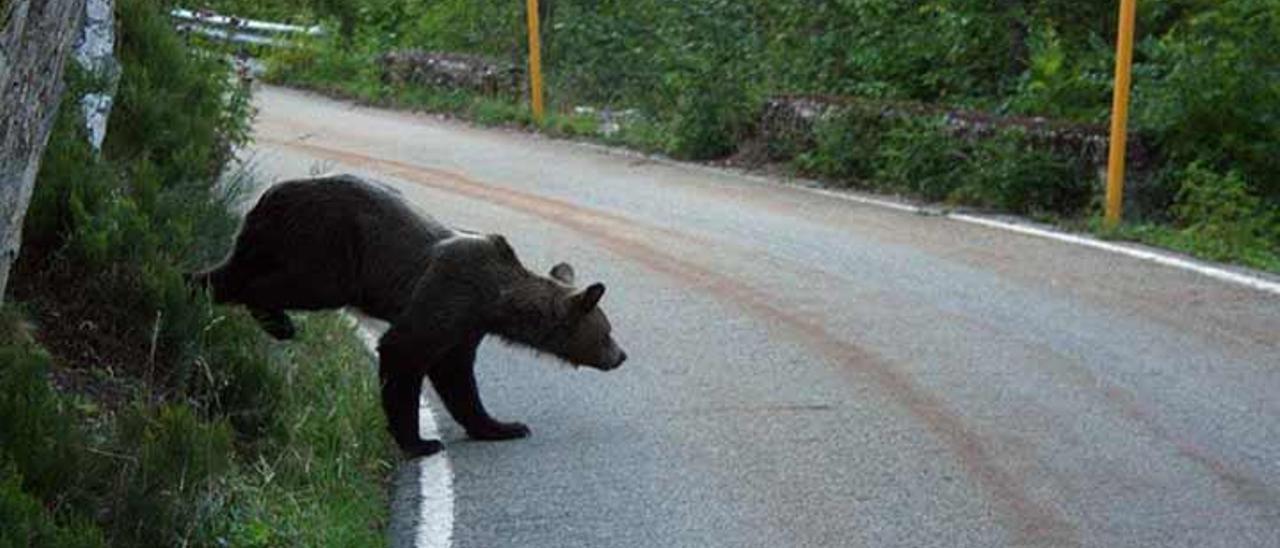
{"x":451,"y":71}
{"x":94,"y":52}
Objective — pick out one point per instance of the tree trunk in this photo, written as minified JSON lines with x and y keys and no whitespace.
{"x":34,"y":42}
{"x":1019,"y":53}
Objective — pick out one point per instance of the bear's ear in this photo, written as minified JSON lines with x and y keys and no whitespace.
{"x":563,"y":272}
{"x":588,"y":298}
{"x":504,"y":248}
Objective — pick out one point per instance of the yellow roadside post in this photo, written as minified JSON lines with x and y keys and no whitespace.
{"x":535,"y":62}
{"x":1119,"y":113}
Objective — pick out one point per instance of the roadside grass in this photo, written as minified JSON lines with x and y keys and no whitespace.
{"x":76,"y":472}
{"x":1260,"y":256}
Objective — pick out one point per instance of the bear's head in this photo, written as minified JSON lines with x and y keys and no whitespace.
{"x":557,"y":318}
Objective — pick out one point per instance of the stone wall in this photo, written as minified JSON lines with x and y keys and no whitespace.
{"x":451,"y":71}
{"x":792,"y":119}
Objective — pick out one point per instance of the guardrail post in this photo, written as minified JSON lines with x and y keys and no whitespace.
{"x":535,"y":61}
{"x":1120,"y":113}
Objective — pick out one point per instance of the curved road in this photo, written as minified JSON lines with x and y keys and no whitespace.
{"x":810,"y":371}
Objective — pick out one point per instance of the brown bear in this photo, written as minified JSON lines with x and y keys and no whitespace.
{"x":335,"y":241}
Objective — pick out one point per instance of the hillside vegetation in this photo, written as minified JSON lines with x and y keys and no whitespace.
{"x":132,"y":411}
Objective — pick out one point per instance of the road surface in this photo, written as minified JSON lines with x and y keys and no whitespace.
{"x":811,"y":371}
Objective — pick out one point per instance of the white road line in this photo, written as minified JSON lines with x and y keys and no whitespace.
{"x":424,"y":489}
{"x":1142,"y":254}
{"x":434,"y":526}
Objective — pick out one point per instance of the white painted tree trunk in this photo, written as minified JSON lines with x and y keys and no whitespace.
{"x":34,"y":42}
{"x":94,"y":52}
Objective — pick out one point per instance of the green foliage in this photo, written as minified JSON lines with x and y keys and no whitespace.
{"x":953,"y":50}
{"x":1008,"y":172}
{"x":490,"y":27}
{"x":1210,"y":92}
{"x":1222,"y":214}
{"x":1215,"y":217}
{"x":1062,"y":82}
{"x":27,"y":523}
{"x":878,"y":146}
{"x":169,"y":466}
{"x":184,"y":116}
{"x":235,"y":376}
{"x":847,"y":143}
{"x":918,"y":157}
{"x":183,"y":424}
{"x":36,"y":427}
{"x":317,"y":483}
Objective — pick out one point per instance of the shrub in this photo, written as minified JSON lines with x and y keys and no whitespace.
{"x":184,"y":115}
{"x":235,"y":377}
{"x":1210,"y":92}
{"x":847,"y":143}
{"x":1008,"y":172}
{"x":1223,"y":217}
{"x":39,"y":434}
{"x":920,"y":158}
{"x":27,"y":523}
{"x":165,"y":483}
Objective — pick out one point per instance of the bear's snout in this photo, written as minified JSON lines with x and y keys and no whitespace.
{"x":622,"y":357}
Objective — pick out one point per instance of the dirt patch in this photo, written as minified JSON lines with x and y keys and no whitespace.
{"x":87,"y":328}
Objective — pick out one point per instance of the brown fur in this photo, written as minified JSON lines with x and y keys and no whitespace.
{"x":336,"y":241}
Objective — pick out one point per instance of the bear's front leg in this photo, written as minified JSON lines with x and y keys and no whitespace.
{"x":455,"y":381}
{"x":401,"y":389}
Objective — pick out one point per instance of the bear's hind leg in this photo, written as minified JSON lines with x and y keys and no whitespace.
{"x":455,"y":381}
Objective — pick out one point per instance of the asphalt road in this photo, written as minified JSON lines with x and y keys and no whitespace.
{"x":810,"y":371}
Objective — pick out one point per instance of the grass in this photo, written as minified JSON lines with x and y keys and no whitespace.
{"x":144,"y":473}
{"x":1260,"y":257}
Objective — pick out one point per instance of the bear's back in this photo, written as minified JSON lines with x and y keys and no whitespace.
{"x":362,"y":229}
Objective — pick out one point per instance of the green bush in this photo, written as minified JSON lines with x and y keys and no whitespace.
{"x":873,"y":146}
{"x":1008,"y":172}
{"x":236,"y":378}
{"x":176,"y":109}
{"x":165,"y":484}
{"x":1223,"y":217}
{"x":847,"y":143}
{"x":27,"y":523}
{"x":711,"y":119}
{"x":38,"y":433}
{"x":920,"y":158}
{"x":1209,"y":92}
{"x":1066,"y":82}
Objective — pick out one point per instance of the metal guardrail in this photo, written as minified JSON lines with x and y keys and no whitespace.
{"x":240,"y":31}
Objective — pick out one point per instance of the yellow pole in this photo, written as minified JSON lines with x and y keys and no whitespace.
{"x":535,"y":62}
{"x":1120,"y":112}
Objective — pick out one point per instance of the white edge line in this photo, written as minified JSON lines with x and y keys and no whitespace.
{"x":1142,"y":254}
{"x":1165,"y":259}
{"x":433,"y":520}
